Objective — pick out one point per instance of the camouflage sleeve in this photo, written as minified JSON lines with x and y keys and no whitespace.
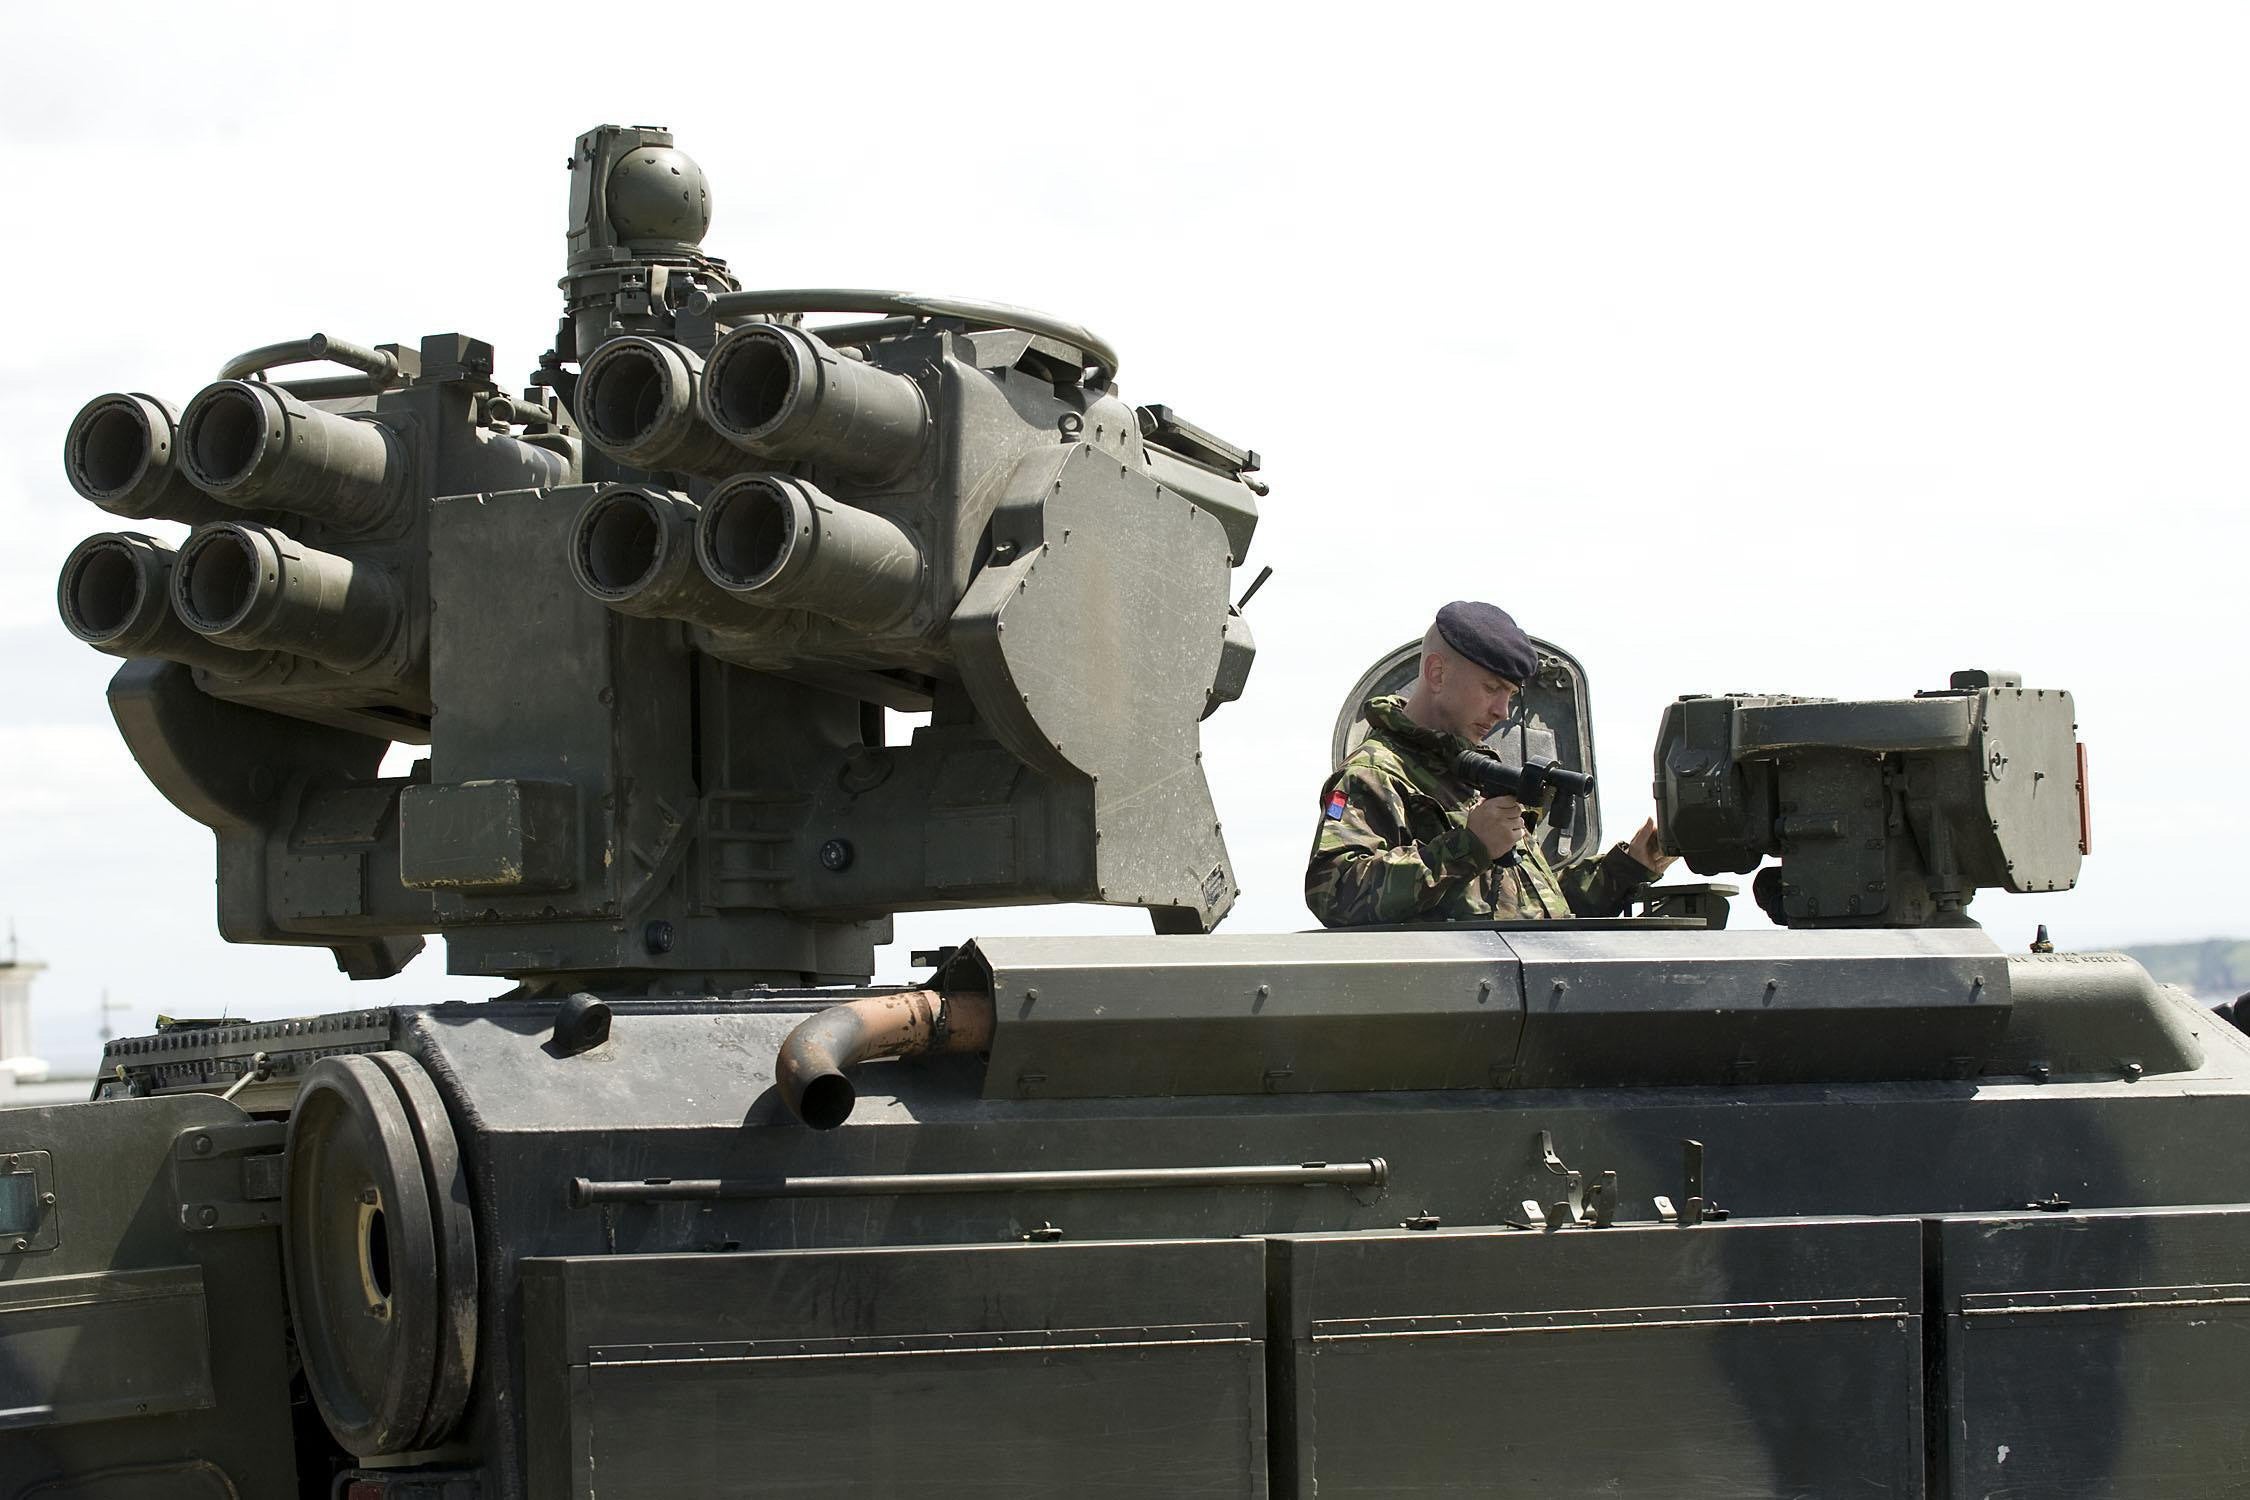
{"x":1604,"y":887}
{"x":1366,"y":866}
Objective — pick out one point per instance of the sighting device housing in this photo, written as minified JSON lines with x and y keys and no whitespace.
{"x":1886,"y":813}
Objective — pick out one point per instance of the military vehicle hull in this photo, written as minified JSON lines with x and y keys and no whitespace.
{"x":1090,"y":1258}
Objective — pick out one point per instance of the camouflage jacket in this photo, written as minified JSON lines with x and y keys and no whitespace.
{"x":1394,"y":843}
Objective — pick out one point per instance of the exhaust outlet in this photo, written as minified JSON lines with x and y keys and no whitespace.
{"x":784,"y":395}
{"x":120,"y":453}
{"x":809,"y":1067}
{"x":114,"y":593}
{"x":634,"y":549}
{"x":256,"y":447}
{"x":637,"y":400}
{"x":255,"y":586}
{"x":778,"y":542}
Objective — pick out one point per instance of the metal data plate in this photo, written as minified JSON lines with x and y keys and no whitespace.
{"x":1553,"y":721}
{"x":30,"y":1213}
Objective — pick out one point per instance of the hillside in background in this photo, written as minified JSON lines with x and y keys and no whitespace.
{"x":2216,"y":970}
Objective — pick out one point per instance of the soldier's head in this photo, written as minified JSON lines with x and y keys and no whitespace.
{"x":1474,"y":661}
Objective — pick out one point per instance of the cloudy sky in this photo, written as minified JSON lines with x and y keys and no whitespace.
{"x":1779,"y":348}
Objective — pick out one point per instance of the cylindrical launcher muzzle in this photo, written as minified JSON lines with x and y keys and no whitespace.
{"x":782,"y":394}
{"x":777,"y":541}
{"x":257,"y":447}
{"x":122,"y":453}
{"x":256,"y":586}
{"x":633,"y":548}
{"x":637,"y":399}
{"x":114,"y":593}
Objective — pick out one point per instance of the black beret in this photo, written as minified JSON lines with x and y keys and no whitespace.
{"x":1487,"y":635}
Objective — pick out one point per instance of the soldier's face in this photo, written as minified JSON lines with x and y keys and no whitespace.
{"x":1470,"y":701}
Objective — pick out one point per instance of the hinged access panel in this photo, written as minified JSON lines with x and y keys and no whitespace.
{"x":2097,"y":1353}
{"x":955,"y":1370}
{"x":1738,"y":1359}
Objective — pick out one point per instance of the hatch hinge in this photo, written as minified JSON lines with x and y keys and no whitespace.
{"x":229,"y":1176}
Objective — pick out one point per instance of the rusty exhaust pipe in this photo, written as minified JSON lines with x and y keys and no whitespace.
{"x":809,"y":1068}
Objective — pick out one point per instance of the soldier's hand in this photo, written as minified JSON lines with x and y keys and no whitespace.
{"x":1643,"y":847}
{"x":1498,"y":824}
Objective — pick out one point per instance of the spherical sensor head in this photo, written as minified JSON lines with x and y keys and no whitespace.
{"x":659,"y":193}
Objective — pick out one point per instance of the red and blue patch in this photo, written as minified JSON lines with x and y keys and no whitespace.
{"x":1336,"y":803}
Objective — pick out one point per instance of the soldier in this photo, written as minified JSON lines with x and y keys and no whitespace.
{"x":1402,"y":840}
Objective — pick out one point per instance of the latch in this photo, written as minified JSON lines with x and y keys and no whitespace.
{"x":1580,"y":1206}
{"x":229,"y":1176}
{"x":1694,"y":1207}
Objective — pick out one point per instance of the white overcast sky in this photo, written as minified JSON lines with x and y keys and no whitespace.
{"x":1818,"y":349}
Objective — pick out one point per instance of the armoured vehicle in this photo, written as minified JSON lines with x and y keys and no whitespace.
{"x":1856,"y":1204}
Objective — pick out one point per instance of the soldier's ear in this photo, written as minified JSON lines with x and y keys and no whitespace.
{"x":1433,"y":668}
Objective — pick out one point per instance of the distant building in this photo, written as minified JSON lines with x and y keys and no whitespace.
{"x":25,"y":1079}
{"x":17,"y":1064}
